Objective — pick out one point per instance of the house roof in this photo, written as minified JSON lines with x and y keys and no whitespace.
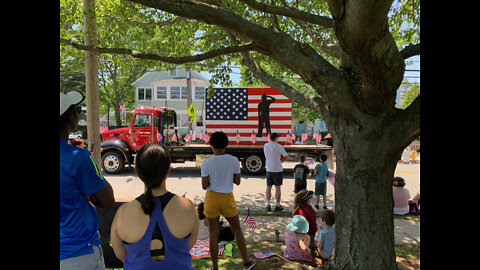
{"x":154,"y":76}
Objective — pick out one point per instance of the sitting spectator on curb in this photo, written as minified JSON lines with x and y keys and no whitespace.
{"x":401,"y":195}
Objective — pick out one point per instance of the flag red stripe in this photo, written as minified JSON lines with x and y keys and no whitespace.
{"x":252,"y":101}
{"x":246,"y":126}
{"x":272,"y":118}
{"x":272,"y":109}
{"x":260,"y":91}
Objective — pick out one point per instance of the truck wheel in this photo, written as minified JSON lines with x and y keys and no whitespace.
{"x":253,"y":164}
{"x":112,"y":162}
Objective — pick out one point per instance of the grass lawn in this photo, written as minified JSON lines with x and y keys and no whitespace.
{"x":408,"y":258}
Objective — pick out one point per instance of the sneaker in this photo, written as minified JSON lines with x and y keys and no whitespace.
{"x":316,"y":206}
{"x":269,"y":209}
{"x":250,"y":265}
{"x":278,"y":208}
{"x":325,"y":207}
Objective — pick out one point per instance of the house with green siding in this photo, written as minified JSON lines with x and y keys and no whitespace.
{"x":169,"y":88}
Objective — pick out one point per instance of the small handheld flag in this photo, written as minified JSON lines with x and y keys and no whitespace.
{"x":249,"y":220}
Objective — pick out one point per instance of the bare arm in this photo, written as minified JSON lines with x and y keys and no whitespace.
{"x":303,"y":241}
{"x":272,"y":99}
{"x":117,"y":245}
{"x":205,"y":182}
{"x":236,"y":178}
{"x":103,"y":198}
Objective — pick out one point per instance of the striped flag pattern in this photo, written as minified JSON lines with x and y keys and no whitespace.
{"x":232,"y":109}
{"x":249,"y":220}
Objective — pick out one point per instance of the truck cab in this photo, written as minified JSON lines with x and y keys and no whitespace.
{"x":148,"y":125}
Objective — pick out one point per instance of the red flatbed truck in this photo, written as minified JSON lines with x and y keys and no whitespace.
{"x":157,"y":125}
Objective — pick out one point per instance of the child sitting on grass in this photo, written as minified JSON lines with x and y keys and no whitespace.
{"x":297,"y":240}
{"x":325,"y":240}
{"x":301,"y":206}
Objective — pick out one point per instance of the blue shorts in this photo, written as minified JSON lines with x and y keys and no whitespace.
{"x":320,"y":188}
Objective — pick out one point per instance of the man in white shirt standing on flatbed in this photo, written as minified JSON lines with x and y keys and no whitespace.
{"x":275,"y":155}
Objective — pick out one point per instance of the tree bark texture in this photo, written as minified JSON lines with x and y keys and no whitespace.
{"x":91,"y":80}
{"x":366,"y":161}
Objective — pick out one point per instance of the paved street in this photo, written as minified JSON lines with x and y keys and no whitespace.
{"x":185,"y":178}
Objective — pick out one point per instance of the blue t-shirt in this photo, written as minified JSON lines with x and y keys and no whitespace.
{"x":327,"y":237}
{"x":322,"y":169}
{"x":79,"y":176}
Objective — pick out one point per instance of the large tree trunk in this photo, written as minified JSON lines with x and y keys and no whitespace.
{"x":366,"y":161}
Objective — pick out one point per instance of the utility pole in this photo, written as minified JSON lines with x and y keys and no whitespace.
{"x":189,"y":95}
{"x":91,"y":80}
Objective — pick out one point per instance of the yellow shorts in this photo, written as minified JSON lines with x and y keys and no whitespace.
{"x":219,"y":203}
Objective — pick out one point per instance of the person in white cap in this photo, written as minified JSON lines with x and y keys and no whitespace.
{"x":81,"y":183}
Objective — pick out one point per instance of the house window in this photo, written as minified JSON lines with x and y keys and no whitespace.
{"x":144,"y":94}
{"x":161,"y":92}
{"x":199,"y":92}
{"x":178,"y":92}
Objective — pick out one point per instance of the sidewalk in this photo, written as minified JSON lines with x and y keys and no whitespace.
{"x":407,"y":232}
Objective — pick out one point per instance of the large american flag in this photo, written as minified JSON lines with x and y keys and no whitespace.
{"x":236,"y":109}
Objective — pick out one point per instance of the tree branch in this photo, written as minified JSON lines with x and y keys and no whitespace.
{"x":327,"y":47}
{"x":172,"y":60}
{"x":406,"y":122}
{"x":302,"y":59}
{"x":313,"y":102}
{"x":410,"y":50}
{"x":290,"y":12}
{"x":158,"y":24}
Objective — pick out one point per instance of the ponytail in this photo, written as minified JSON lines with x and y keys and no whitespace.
{"x":152,"y":164}
{"x":148,"y":202}
{"x":297,"y":200}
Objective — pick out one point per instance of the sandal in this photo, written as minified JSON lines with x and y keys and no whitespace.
{"x":251,"y":263}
